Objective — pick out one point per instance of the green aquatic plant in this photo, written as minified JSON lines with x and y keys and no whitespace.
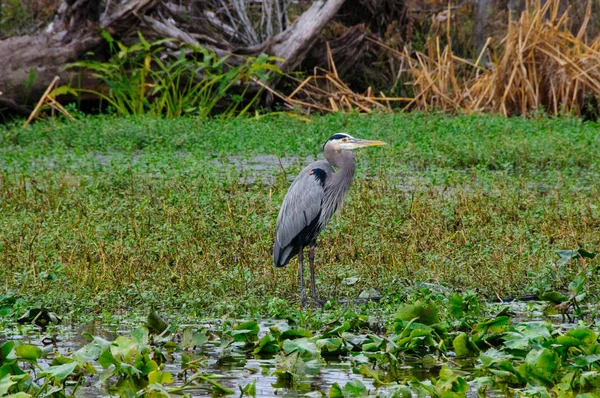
{"x":351,"y":389}
{"x":195,"y":81}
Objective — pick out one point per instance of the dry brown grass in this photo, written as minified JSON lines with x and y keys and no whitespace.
{"x":540,"y":63}
{"x":325,"y":91}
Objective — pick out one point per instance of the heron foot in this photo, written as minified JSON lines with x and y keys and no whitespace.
{"x":303,"y":300}
{"x":319,"y":302}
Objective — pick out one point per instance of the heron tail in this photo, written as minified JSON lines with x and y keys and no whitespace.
{"x":281,"y":255}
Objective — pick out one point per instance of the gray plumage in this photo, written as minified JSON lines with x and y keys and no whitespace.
{"x":312,"y":199}
{"x":302,"y":216}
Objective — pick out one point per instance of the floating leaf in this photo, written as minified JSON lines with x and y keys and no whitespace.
{"x":373,"y":343}
{"x":194,"y":338}
{"x":155,"y":323}
{"x":266,"y":345}
{"x":336,"y":331}
{"x":464,"y":347}
{"x":543,"y":364}
{"x":354,"y":388}
{"x":294,"y":334}
{"x":426,"y":314}
{"x":305,"y":348}
{"x":449,"y":382}
{"x":87,"y":353}
{"x":367,"y":371}
{"x":330,"y":346}
{"x":246,"y":331}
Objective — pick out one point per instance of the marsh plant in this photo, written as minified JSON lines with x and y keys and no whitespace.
{"x":193,"y":81}
{"x":117,"y":212}
{"x":494,"y":354}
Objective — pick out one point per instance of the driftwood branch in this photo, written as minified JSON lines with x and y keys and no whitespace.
{"x":295,"y":42}
{"x":31,"y":62}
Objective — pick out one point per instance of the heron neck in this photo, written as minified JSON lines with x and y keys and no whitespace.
{"x":346,"y":171}
{"x":346,"y":165}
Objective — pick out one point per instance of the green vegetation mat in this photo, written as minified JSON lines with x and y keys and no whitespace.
{"x":109,"y":212}
{"x":104,"y":218}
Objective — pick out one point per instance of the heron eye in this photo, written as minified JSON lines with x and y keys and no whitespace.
{"x":344,"y":139}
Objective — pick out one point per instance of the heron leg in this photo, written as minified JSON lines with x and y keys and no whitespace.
{"x":311,"y":260}
{"x":301,"y":269}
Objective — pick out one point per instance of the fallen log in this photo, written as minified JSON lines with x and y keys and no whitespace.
{"x":31,"y":62}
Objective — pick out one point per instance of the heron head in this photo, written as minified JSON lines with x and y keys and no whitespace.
{"x":345,"y":142}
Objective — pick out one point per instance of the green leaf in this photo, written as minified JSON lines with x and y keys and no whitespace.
{"x":565,"y":256}
{"x":336,"y":331}
{"x":60,"y":372}
{"x":106,"y":359}
{"x":553,"y":297}
{"x":7,"y":351}
{"x":350,"y":281}
{"x":88,"y":353}
{"x":373,"y":343}
{"x":305,"y":348}
{"x":330,"y":345}
{"x":426,"y":314}
{"x":335,"y":391}
{"x":543,"y":364}
{"x":6,"y":383}
{"x":28,"y":351}
{"x":294,"y":334}
{"x":246,"y":331}
{"x":491,"y":328}
{"x":576,"y":286}
{"x":577,"y":337}
{"x":449,"y":382}
{"x":123,"y":348}
{"x":585,"y":254}
{"x":266,"y":345}
{"x":354,"y":388}
{"x":367,"y":371}
{"x":249,"y":389}
{"x":140,"y":337}
{"x":194,"y":338}
{"x":588,"y":336}
{"x":19,"y":395}
{"x":585,"y":360}
{"x":463,"y":346}
{"x":159,"y":377}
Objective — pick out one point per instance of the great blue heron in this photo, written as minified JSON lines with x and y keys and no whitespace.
{"x":314,"y":196}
